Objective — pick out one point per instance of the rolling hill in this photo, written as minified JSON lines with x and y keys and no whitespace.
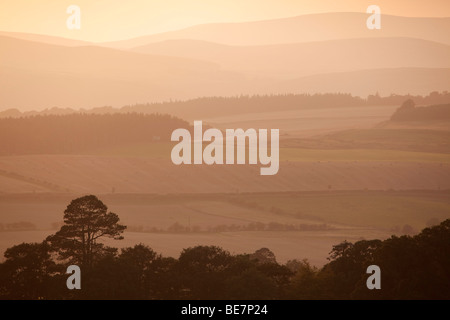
{"x":317,"y":53}
{"x":301,"y":59}
{"x":45,"y":39}
{"x":305,"y":28}
{"x":90,"y":76}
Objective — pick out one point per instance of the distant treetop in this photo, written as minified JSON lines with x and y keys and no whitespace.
{"x":409,"y":112}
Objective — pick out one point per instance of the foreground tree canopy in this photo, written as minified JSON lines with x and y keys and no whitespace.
{"x":412,"y":267}
{"x":86,"y":220}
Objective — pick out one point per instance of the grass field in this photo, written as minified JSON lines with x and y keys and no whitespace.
{"x":387,"y":136}
{"x":163,"y":150}
{"x":359,"y":183}
{"x":307,"y":122}
{"x":349,"y":215}
{"x":308,"y":170}
{"x":384,"y":210}
{"x":374,"y":209}
{"x":297,"y":154}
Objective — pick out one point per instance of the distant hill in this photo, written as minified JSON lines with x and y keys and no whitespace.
{"x":46,"y":39}
{"x":318,"y":53}
{"x":409,"y":112}
{"x":77,"y":133}
{"x":305,"y":28}
{"x":34,"y":75}
{"x":293,"y":60}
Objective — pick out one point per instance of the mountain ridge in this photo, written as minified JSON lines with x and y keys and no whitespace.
{"x":326,"y":26}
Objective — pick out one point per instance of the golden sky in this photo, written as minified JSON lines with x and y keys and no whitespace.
{"x":107,"y":20}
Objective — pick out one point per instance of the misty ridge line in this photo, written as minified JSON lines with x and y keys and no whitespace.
{"x":73,"y":22}
{"x":404,"y":56}
{"x":338,"y":20}
{"x":239,"y":104}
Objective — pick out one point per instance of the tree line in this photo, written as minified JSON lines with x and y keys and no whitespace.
{"x":409,"y":112}
{"x":278,"y":102}
{"x":248,"y":103}
{"x":177,"y":227}
{"x":412,"y":267}
{"x":75,"y":133}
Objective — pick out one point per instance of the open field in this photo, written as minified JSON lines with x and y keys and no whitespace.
{"x":146,"y":211}
{"x":366,"y":181}
{"x":312,"y":245}
{"x":307,"y":122}
{"x":357,"y":158}
{"x":339,"y":215}
{"x":338,"y":209}
{"x":310,"y":155}
{"x":308,"y":170}
{"x":378,"y":209}
{"x":436,"y":140}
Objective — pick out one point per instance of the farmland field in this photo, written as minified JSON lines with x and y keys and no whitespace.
{"x":337,"y":216}
{"x":348,"y":178}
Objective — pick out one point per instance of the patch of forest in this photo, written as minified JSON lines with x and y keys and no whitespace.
{"x":70,"y":134}
{"x":216,"y":106}
{"x":409,"y":112}
{"x":412,"y":267}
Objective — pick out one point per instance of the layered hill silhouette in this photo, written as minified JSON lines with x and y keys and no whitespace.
{"x":305,"y":28}
{"x":45,"y":39}
{"x":308,"y":54}
{"x":301,"y":59}
{"x":36,"y":75}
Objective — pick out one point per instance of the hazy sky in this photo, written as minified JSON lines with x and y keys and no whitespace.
{"x":105,"y":20}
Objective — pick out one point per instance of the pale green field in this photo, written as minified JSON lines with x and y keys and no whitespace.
{"x":147,"y":211}
{"x":370,"y":209}
{"x":163,"y":151}
{"x":341,"y":209}
{"x":157,"y":150}
{"x":296,"y":154}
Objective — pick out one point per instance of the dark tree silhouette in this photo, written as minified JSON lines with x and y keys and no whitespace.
{"x":408,"y":104}
{"x":409,"y":112}
{"x":412,"y":267}
{"x":85,"y":221}
{"x":83,"y":133}
{"x":305,"y":284}
{"x":203,"y":270}
{"x":340,"y":250}
{"x":27,"y":271}
{"x":250,"y":284}
{"x":263,"y":256}
{"x":139,"y":262}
